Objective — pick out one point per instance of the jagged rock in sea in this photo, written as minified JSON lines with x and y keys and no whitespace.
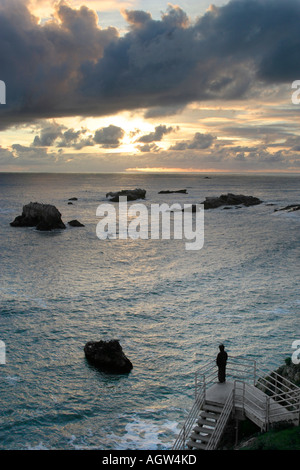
{"x":290,"y":208}
{"x":73,"y":199}
{"x":108,"y":356}
{"x":75,"y":223}
{"x":42,"y":216}
{"x":230,"y":200}
{"x":131,"y":194}
{"x":182,"y":191}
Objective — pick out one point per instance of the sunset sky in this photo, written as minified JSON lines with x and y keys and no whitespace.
{"x":136,"y":85}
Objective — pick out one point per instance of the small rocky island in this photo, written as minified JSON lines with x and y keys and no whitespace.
{"x":289,"y":208}
{"x":108,"y":356}
{"x":230,"y":200}
{"x":180,"y":191}
{"x":42,"y":216}
{"x":131,"y":194}
{"x":75,"y":223}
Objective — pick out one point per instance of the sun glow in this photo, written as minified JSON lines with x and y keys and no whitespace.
{"x":170,"y":170}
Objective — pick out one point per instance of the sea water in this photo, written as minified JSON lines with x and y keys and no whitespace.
{"x":169,"y":307}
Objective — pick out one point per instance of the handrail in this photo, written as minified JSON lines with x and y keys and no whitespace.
{"x":253,"y":403}
{"x":278,"y":388}
{"x":221,"y":423}
{"x":186,"y":429}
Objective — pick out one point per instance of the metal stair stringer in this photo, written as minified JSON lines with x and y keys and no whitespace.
{"x":205,"y":426}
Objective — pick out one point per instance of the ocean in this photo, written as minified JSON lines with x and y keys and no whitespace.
{"x":169,"y":307}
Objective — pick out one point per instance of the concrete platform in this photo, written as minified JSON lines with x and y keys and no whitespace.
{"x":219,"y":392}
{"x":250,"y":402}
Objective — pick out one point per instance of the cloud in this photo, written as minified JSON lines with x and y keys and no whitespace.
{"x":70,"y":66}
{"x":157,"y":135}
{"x":148,"y":148}
{"x":48,"y":135}
{"x":199,"y":142}
{"x":109,"y":137}
{"x":54,"y":134}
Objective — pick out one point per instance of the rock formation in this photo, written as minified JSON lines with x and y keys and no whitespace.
{"x":131,"y":194}
{"x":182,"y":191}
{"x":75,"y":223}
{"x":230,"y":200}
{"x":42,"y":216}
{"x":108,"y":356}
{"x":290,"y":208}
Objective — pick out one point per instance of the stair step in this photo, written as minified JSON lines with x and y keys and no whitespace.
{"x":208,"y":419}
{"x":196,"y":445}
{"x":199,"y":437}
{"x":213,"y":408}
{"x":203,"y":429}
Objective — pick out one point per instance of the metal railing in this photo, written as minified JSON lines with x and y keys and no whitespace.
{"x":263,"y":408}
{"x":221,"y":422}
{"x":237,"y":368}
{"x":243,"y":373}
{"x":185,"y":432}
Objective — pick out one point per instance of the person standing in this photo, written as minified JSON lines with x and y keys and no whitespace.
{"x":221,"y":363}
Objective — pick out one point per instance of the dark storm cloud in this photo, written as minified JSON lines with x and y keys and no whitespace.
{"x":70,"y":66}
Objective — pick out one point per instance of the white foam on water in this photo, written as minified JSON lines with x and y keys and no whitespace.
{"x":141,"y":434}
{"x":12,"y":379}
{"x":39,"y":446}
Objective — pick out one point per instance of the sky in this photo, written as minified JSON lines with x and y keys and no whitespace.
{"x":148,"y":86}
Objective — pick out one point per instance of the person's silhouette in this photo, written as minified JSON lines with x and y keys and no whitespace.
{"x":221,"y":363}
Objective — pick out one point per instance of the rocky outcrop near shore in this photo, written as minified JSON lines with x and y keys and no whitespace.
{"x":108,"y":356}
{"x":230,"y":200}
{"x":180,"y":191}
{"x":290,"y":371}
{"x":42,"y":216}
{"x":131,"y":194}
{"x":290,"y":208}
{"x":75,"y":223}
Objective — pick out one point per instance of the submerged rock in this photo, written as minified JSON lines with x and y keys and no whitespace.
{"x":73,"y":199}
{"x":182,"y":191}
{"x":108,"y":356}
{"x":42,"y":216}
{"x":75,"y":223}
{"x":131,"y":194}
{"x":290,"y":208}
{"x":230,"y":200}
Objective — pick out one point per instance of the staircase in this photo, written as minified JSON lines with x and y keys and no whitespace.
{"x":264,"y":398}
{"x":205,"y":426}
